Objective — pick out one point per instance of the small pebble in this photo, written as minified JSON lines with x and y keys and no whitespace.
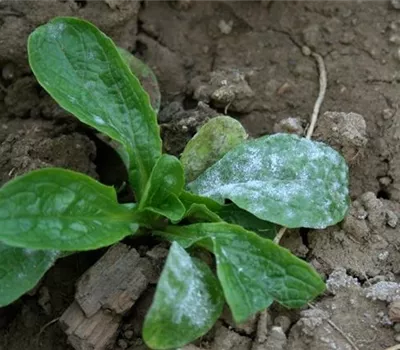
{"x":306,"y":51}
{"x":397,"y":338}
{"x":391,"y":219}
{"x":388,"y":113}
{"x":128,"y":334}
{"x":283,"y":321}
{"x":394,"y":311}
{"x":385,"y":180}
{"x":395,"y":4}
{"x":396,"y":327}
{"x":8,"y":72}
{"x":397,"y":54}
{"x":395,"y":39}
{"x":122,"y":344}
{"x":225,"y":27}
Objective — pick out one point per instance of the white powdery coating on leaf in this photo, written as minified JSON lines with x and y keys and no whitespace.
{"x":99,"y":120}
{"x":195,"y":305}
{"x":55,"y":30}
{"x":281,"y":171}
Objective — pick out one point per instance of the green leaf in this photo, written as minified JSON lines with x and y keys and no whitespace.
{"x":234,"y":215}
{"x":285,"y":179}
{"x":62,"y":210}
{"x":21,"y":269}
{"x":253,"y":271}
{"x":201,"y":213}
{"x":189,"y":198}
{"x":82,"y":69}
{"x":210,"y":144}
{"x":146,"y":77}
{"x":187,"y":302}
{"x":164,"y":187}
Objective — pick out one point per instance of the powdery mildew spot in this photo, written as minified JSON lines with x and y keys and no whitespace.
{"x":195,"y":302}
{"x":281,"y":178}
{"x":55,"y":30}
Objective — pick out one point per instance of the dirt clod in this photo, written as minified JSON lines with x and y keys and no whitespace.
{"x":365,"y":229}
{"x":248,"y":327}
{"x":346,"y":132}
{"x":385,"y":291}
{"x":226,"y":339}
{"x":44,"y":300}
{"x":224,"y":89}
{"x":314,"y":330}
{"x":284,"y":322}
{"x":290,"y":126}
{"x":38,"y":146}
{"x":182,"y":124}
{"x":394,"y":311}
{"x":276,"y":340}
{"x":395,"y":4}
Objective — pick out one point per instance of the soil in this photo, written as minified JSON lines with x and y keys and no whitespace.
{"x":246,"y":59}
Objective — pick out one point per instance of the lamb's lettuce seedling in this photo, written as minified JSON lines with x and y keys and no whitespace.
{"x":275,"y":180}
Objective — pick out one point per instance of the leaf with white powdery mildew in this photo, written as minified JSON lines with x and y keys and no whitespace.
{"x":187,"y":302}
{"x":21,"y":269}
{"x":284,"y":179}
{"x":82,"y":69}
{"x":62,"y":210}
{"x":253,"y":271}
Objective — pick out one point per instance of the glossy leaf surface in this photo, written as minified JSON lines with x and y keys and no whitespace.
{"x":253,"y":271}
{"x":235,"y":215}
{"x":187,"y":302}
{"x":146,"y":77}
{"x":82,"y":69}
{"x":21,"y":269}
{"x":164,"y":187}
{"x":284,"y":179}
{"x":61,"y":210}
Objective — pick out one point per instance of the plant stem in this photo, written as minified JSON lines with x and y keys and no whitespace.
{"x":280,"y":234}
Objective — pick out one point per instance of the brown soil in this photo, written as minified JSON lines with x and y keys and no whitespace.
{"x":247,"y":56}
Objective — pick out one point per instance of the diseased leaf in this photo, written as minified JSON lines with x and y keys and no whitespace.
{"x":215,"y":138}
{"x":234,"y":215}
{"x":162,"y":192}
{"x":285,"y":179}
{"x":146,"y":77}
{"x":253,"y":271}
{"x":187,"y":302}
{"x":21,"y":269}
{"x":61,"y":210}
{"x":83,"y":71}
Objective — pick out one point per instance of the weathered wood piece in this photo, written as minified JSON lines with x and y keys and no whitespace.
{"x":95,"y":333}
{"x":114,"y":283}
{"x":103,"y":294}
